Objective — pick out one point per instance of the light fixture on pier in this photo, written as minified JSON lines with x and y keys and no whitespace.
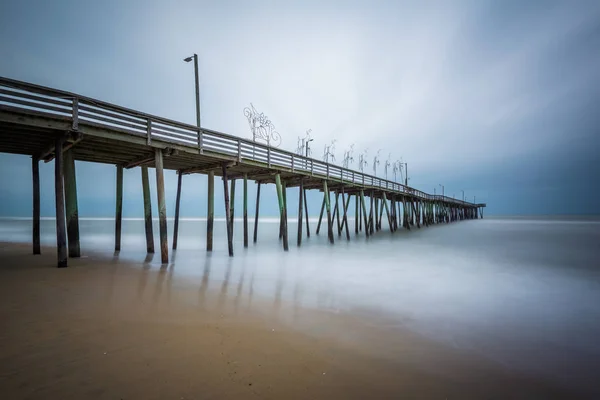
{"x":195,"y":58}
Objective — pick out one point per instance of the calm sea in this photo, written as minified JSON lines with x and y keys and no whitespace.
{"x":523,"y":292}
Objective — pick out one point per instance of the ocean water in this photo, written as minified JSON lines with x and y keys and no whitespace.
{"x":522,"y":292}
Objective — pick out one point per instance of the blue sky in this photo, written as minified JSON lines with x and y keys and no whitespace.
{"x":497,"y":98}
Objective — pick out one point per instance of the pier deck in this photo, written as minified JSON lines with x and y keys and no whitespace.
{"x":48,"y":124}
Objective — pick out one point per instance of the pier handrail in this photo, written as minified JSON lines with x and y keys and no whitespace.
{"x":22,"y":96}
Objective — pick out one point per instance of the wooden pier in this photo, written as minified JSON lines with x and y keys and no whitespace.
{"x":49,"y":124}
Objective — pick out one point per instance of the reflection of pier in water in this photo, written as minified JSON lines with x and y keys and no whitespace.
{"x":51,"y":124}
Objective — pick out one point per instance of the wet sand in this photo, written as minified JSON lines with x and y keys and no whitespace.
{"x":108,"y":329}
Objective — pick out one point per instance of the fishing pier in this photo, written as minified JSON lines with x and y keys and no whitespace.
{"x":49,"y":124}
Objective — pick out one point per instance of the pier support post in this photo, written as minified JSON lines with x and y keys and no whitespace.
{"x":71,"y":204}
{"x":337,"y":211}
{"x":282,"y":214}
{"x":321,"y":215}
{"x":35,"y":173}
{"x":306,"y":213}
{"x":210,"y":211}
{"x":119,"y":208}
{"x":364,"y":211}
{"x":345,"y":216}
{"x":356,"y":216}
{"x":245,"y":210}
{"x":328,"y":206}
{"x":227,"y":211}
{"x":61,"y":239}
{"x":256,"y":215}
{"x":300,"y":205}
{"x":162,"y":207}
{"x":387,"y":211}
{"x":370,"y":227}
{"x":177,"y":203}
{"x":232,"y":205}
{"x":147,"y":211}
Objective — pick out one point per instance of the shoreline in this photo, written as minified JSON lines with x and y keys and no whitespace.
{"x":106,"y":328}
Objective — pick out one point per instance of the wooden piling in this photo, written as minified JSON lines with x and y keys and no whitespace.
{"x":147,"y":211}
{"x":376,"y":201}
{"x":356,"y":216}
{"x":337,"y":212}
{"x":162,"y":207}
{"x":256,"y":215}
{"x":177,"y":203}
{"x":387,"y":211}
{"x":210,"y":211}
{"x":282,"y":214}
{"x":227,"y":211}
{"x":321,"y":215}
{"x":35,"y":172}
{"x":61,"y":238}
{"x":345,"y":217}
{"x":328,"y":207}
{"x":306,"y":213}
{"x":72,"y":213}
{"x":300,"y":201}
{"x":119,"y":208}
{"x":232,"y":205}
{"x":245,"y":210}
{"x":370,"y":226}
{"x":364,"y":211}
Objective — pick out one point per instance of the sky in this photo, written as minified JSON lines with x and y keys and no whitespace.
{"x":496,"y":98}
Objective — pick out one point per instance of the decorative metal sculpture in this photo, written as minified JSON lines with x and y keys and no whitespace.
{"x":387,"y":165}
{"x":376,"y":162}
{"x":362,"y":161}
{"x":396,"y":168}
{"x":262,"y":128}
{"x":328,"y":152}
{"x":348,"y":156}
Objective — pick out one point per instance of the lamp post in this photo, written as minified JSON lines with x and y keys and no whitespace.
{"x":195,"y":58}
{"x":405,"y":174}
{"x":442,"y":189}
{"x":463,"y":192}
{"x":307,"y":148}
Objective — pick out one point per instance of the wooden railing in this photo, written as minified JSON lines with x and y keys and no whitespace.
{"x":25,"y":97}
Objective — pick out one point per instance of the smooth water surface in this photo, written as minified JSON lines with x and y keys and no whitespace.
{"x":522,"y":292}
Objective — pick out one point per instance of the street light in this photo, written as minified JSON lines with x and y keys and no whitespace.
{"x":307,"y":142}
{"x":463,"y":195}
{"x":442,"y":189}
{"x":195,"y":58}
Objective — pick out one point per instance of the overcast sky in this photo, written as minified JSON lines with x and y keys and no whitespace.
{"x":497,"y":98}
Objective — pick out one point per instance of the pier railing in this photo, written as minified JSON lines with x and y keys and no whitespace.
{"x":39,"y":100}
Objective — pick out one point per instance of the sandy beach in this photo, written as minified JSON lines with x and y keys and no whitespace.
{"x":108,"y":329}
